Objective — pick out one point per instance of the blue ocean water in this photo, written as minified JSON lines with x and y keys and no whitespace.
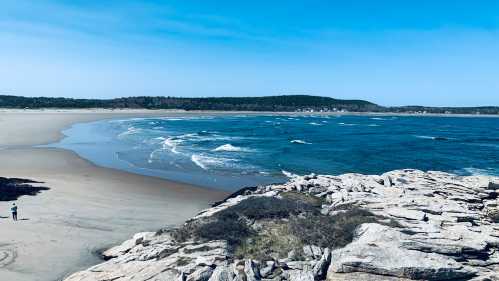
{"x":230,"y":152}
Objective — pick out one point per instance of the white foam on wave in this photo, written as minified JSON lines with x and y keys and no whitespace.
{"x":204,"y":162}
{"x":379,"y":118}
{"x":171,"y":144}
{"x":347,"y":124}
{"x":289,"y":174}
{"x":425,"y":137}
{"x":168,"y":144}
{"x":373,"y":125}
{"x":433,"y":138}
{"x":207,"y":136}
{"x":300,"y":142}
{"x":229,"y":148}
{"x":314,"y":124}
{"x":130,"y":131}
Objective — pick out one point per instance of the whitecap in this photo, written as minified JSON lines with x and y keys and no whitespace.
{"x":204,"y":162}
{"x":171,"y":144}
{"x":425,"y":137}
{"x":314,"y":124}
{"x":229,"y":148}
{"x":373,"y":125}
{"x":300,"y":142}
{"x":433,"y":138}
{"x":347,"y":124}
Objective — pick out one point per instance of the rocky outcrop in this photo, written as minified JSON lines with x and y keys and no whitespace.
{"x":433,"y":226}
{"x":13,"y":188}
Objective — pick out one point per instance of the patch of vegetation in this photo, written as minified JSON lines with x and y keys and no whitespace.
{"x":13,"y":188}
{"x":267,"y":227}
{"x":223,"y":226}
{"x":303,"y":198}
{"x":242,"y":191}
{"x":256,"y":208}
{"x":183,"y":261}
{"x":329,"y":231}
{"x":274,"y":242}
{"x":345,"y":207}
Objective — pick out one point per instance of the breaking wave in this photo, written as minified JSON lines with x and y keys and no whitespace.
{"x":433,"y":138}
{"x":229,"y":147}
{"x":206,"y":162}
{"x":300,"y":142}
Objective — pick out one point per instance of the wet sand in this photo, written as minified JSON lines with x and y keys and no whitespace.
{"x":87,"y":207}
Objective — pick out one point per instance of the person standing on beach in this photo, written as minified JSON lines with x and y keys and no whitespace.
{"x":14,"y":211}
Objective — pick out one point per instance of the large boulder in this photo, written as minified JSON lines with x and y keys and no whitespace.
{"x":377,"y":250}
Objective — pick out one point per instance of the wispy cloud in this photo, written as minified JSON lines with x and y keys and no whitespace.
{"x":126,"y":19}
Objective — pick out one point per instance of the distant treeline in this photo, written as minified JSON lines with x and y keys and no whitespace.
{"x":491,"y":110}
{"x":270,"y":103}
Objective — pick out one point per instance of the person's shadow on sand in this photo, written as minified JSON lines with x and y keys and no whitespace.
{"x":23,"y":219}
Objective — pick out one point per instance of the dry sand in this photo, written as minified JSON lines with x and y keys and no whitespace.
{"x":87,"y":208}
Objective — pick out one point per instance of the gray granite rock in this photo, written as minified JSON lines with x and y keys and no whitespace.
{"x":377,"y":250}
{"x":439,"y":227}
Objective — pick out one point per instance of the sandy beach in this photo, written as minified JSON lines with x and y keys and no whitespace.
{"x":87,"y":207}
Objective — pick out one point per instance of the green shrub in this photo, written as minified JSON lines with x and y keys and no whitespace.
{"x":284,"y":225}
{"x":273,"y":242}
{"x":223,"y":226}
{"x":226,"y":226}
{"x":303,"y":198}
{"x":269,"y":208}
{"x":183,"y":261}
{"x":329,"y":231}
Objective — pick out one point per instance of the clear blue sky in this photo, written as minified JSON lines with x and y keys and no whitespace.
{"x":389,"y":52}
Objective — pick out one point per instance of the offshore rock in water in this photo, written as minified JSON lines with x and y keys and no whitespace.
{"x":402,"y":225}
